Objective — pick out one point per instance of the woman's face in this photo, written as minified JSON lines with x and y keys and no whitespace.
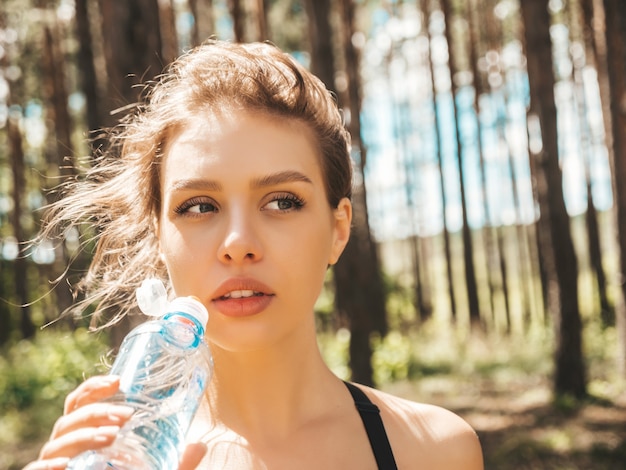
{"x":245,"y":225}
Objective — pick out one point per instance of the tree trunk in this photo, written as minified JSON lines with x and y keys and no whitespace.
{"x":87,"y":70}
{"x":7,"y":289}
{"x":468,"y":250}
{"x":16,"y":153}
{"x":607,"y":314}
{"x":491,"y":251}
{"x":569,"y":374}
{"x":615,"y":13}
{"x":358,"y":284}
{"x":595,"y":38}
{"x":446,"y":232}
{"x":259,"y":8}
{"x":422,"y":301}
{"x":527,"y":267}
{"x":237,"y":14}
{"x":6,"y":292}
{"x":60,"y":156}
{"x":595,"y":34}
{"x":169,"y":36}
{"x":54,"y":83}
{"x":203,"y":28}
{"x":132,"y":48}
{"x":321,"y":40}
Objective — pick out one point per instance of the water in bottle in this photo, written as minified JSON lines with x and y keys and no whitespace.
{"x":164,"y":366}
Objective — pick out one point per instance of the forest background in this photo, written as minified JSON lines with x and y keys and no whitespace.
{"x":485,"y":272}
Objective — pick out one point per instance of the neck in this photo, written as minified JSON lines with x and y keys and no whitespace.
{"x":270,"y":392}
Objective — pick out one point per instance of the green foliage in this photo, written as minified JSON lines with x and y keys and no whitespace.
{"x":435,"y":349}
{"x":392,"y":358}
{"x":288,"y":24}
{"x":334,"y":347}
{"x":400,"y":304}
{"x":35,"y":377}
{"x":523,"y":449}
{"x":566,"y":403}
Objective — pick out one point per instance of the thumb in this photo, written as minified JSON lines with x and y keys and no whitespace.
{"x":192,"y":456}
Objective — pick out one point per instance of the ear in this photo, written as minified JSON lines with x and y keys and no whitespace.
{"x":342,"y":220}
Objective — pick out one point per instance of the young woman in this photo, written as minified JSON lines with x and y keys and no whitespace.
{"x":233,"y":185}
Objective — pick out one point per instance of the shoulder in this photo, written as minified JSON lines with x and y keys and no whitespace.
{"x":427,"y":436}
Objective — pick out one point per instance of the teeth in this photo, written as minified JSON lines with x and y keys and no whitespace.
{"x":238,"y":294}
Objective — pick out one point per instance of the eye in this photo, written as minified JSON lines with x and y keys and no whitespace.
{"x":196,"y":206}
{"x":284,"y":203}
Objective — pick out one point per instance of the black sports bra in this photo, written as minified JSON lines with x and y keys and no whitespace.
{"x":370,"y":415}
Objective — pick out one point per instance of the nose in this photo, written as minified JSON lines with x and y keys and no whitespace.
{"x":240,"y":243}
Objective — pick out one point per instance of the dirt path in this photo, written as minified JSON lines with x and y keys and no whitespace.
{"x":520,"y":428}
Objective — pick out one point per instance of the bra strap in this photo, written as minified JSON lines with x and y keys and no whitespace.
{"x":370,"y":415}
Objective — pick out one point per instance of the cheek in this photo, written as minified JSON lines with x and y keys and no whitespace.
{"x":178,"y":256}
{"x":310,"y":257}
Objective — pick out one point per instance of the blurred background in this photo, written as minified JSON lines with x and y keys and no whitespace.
{"x":486,"y":268}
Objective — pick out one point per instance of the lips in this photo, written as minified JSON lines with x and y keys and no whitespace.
{"x":242,"y":297}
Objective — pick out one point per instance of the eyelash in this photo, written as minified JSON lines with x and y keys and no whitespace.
{"x":298,"y":203}
{"x":183,"y":209}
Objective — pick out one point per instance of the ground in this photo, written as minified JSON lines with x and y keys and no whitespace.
{"x":520,"y":427}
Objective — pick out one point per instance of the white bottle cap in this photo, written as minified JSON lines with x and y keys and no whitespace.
{"x":152,"y":297}
{"x":191,"y":306}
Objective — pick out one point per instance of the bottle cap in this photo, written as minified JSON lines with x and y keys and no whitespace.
{"x":152,"y":301}
{"x":191,"y":306}
{"x":152,"y":297}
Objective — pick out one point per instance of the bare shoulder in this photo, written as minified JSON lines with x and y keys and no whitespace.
{"x":427,"y":436}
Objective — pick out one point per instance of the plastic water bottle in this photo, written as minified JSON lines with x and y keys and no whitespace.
{"x":164,"y":366}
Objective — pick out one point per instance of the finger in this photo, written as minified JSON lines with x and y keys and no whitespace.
{"x":91,"y":390}
{"x":92,"y":416}
{"x":52,"y":464}
{"x":76,"y":442}
{"x":192,"y":456}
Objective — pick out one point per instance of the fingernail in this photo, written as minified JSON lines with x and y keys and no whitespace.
{"x":58,"y":463}
{"x":105,"y":433}
{"x":110,"y":379}
{"x":118,"y":413}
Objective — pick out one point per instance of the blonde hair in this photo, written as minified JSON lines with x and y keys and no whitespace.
{"x":119,"y":196}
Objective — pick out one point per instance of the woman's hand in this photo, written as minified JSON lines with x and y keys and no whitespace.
{"x":192,"y":456}
{"x":88,"y":423}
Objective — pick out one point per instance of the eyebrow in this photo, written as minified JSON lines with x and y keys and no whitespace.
{"x":278,"y":178}
{"x":196,"y":184}
{"x":262,"y":182}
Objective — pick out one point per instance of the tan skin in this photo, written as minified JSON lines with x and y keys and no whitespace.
{"x":246,"y":227}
